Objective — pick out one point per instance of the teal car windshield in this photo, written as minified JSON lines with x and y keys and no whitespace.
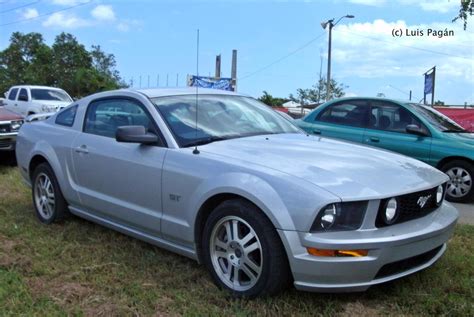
{"x":438,"y":120}
{"x":219,"y":118}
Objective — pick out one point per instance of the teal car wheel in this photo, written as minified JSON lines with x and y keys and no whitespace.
{"x":460,"y":186}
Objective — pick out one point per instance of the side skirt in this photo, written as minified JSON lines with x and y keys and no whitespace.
{"x":134,"y":233}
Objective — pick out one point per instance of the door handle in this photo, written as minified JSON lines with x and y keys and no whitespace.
{"x":82,"y":149}
{"x":317,"y":131}
{"x":374,"y":139}
{"x":16,"y":105}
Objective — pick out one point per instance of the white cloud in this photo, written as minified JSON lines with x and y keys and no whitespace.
{"x":124,"y":27}
{"x":441,"y":6}
{"x":103,"y":13}
{"x":369,"y":2}
{"x":368,"y":50}
{"x":62,"y":20}
{"x":30,"y":13}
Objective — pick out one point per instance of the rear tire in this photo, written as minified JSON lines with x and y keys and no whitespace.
{"x":460,"y":188}
{"x":49,"y":203}
{"x":243,"y":252}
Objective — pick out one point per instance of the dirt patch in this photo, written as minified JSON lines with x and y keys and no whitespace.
{"x":107,"y":309}
{"x":63,"y":293}
{"x":359,"y":309}
{"x":8,"y":259}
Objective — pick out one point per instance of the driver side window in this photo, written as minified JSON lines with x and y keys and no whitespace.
{"x":103,"y":117}
{"x":391,"y":117}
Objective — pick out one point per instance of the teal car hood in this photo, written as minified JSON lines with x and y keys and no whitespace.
{"x":345,"y":169}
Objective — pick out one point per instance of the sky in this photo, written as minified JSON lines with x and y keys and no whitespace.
{"x":281,"y":44}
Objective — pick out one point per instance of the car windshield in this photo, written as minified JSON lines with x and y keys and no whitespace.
{"x":49,"y":94}
{"x":219,"y":117}
{"x":437,"y":119}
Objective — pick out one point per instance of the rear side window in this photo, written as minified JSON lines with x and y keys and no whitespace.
{"x":67,"y":116}
{"x":23,"y":95}
{"x":12,"y":94}
{"x":351,"y":113}
{"x":105,"y":116}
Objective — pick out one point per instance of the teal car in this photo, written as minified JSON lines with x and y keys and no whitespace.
{"x":408,"y":128}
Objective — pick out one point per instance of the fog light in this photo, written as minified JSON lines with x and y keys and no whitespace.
{"x":439,"y":194}
{"x":337,"y":253}
{"x":391,"y":211}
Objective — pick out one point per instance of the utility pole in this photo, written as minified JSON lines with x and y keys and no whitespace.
{"x":218,"y":66}
{"x":331,"y":25}
{"x":410,"y":95}
{"x":234,"y":70}
{"x":167,"y":80}
{"x":177,"y":76}
{"x":328,"y":83}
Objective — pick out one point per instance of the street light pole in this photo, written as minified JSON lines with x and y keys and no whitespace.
{"x":331,"y":25}
{"x":328,"y":82}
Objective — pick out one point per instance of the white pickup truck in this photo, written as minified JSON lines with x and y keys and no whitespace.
{"x":27,"y":100}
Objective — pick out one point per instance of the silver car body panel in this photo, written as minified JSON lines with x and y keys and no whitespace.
{"x":290,"y":177}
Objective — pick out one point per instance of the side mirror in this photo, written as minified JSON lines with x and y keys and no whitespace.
{"x":22,"y":98}
{"x":6,"y":94}
{"x":135,"y":134}
{"x":416,"y":130}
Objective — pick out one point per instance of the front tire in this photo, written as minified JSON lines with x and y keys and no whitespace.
{"x":49,"y":203}
{"x":460,"y":186}
{"x":243,"y":252}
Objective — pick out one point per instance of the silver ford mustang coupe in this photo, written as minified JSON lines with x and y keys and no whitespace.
{"x":225,"y":180}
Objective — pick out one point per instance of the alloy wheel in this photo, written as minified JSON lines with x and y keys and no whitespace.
{"x":236,"y":253}
{"x":44,"y":196}
{"x":460,"y":182}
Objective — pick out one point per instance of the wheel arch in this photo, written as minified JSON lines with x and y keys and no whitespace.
{"x":448,"y":159}
{"x":36,"y":160}
{"x":208,"y":206}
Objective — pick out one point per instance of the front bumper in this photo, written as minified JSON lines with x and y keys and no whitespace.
{"x":8,"y":141}
{"x":394,"y":252}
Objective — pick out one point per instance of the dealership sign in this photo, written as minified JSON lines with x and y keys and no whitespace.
{"x":210,"y":82}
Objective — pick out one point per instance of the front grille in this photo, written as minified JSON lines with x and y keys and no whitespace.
{"x":6,"y":143}
{"x":407,"y":264}
{"x":5,"y":128}
{"x":410,"y":206}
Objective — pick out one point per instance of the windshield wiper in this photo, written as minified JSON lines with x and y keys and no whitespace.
{"x":208,"y":140}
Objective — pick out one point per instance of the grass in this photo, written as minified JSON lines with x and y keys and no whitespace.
{"x":79,"y":268}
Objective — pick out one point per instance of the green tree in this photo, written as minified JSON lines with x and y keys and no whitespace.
{"x":317,"y":94}
{"x":465,"y":11}
{"x":66,"y":64}
{"x":17,"y":58}
{"x":271,"y":101}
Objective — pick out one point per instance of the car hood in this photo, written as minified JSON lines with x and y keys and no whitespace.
{"x":7,"y":115}
{"x":348,"y":170}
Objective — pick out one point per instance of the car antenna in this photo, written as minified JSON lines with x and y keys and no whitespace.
{"x":196,"y":151}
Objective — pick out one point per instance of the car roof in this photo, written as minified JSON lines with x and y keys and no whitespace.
{"x":373,"y":98}
{"x":162,"y":92}
{"x":36,"y":86}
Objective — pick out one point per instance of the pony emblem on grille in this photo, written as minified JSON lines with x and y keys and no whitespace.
{"x":423,"y":200}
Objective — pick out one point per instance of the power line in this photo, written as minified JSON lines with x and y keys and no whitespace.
{"x":19,"y":7}
{"x":49,"y":13}
{"x":407,"y":46}
{"x":283,"y":57}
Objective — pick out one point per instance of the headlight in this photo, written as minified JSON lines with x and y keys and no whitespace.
{"x":439,"y":194}
{"x":390,"y":213}
{"x":340,"y":217}
{"x":16,"y":125}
